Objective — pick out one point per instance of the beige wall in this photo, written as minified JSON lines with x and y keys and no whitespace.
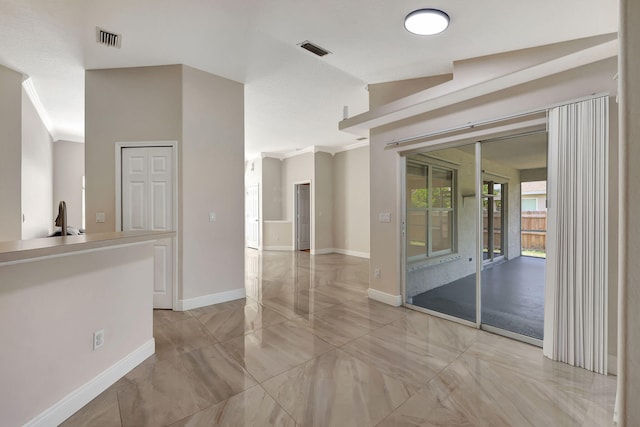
{"x":205,"y":114}
{"x":37,"y":174}
{"x":50,"y":310}
{"x":296,"y":169}
{"x":68,"y":170}
{"x":10,"y":160}
{"x":212,"y":181}
{"x":351,"y":200}
{"x":629,"y":377}
{"x":122,"y":105}
{"x":278,"y":235}
{"x":271,"y":189}
{"x":323,"y":201}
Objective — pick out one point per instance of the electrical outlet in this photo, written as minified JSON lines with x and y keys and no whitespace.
{"x":384,"y":217}
{"x":212,"y":216}
{"x":377,"y":273}
{"x":98,"y":339}
{"x":100,"y":217}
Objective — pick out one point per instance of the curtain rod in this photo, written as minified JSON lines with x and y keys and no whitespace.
{"x":472,"y":125}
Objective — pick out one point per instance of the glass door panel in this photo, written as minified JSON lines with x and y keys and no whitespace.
{"x":440,"y":227}
{"x":512,"y":286}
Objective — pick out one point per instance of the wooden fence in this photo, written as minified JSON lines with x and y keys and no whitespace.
{"x":534,"y":230}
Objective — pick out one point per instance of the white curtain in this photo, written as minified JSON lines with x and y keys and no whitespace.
{"x":576,"y":277}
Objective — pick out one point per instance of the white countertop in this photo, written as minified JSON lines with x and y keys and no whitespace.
{"x":24,"y":250}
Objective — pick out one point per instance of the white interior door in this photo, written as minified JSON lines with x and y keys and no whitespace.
{"x":303,"y":217}
{"x":147,"y":204}
{"x":252,"y":227}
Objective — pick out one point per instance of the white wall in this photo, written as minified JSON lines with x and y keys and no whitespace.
{"x":351,"y":201}
{"x":68,"y":170}
{"x":50,"y":310}
{"x":10,"y":160}
{"x":37,"y":174}
{"x":212,"y":181}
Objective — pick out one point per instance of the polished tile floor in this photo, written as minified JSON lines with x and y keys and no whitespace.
{"x":308,"y":348}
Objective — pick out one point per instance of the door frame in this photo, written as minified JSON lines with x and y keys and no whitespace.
{"x":295,"y":215}
{"x":478,"y":176}
{"x":118,"y":211}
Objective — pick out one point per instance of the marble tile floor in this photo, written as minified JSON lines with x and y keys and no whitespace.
{"x":308,"y":348}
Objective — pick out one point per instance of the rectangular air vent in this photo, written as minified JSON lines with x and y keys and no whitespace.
{"x":108,"y":38}
{"x":313,"y":48}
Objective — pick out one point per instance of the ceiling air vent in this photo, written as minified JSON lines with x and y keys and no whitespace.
{"x":313,"y":48}
{"x":108,"y":38}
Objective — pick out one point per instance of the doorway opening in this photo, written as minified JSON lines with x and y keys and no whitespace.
{"x":302,"y":216}
{"x":464,"y":257}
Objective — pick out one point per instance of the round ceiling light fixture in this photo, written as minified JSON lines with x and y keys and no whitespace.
{"x":426,"y":22}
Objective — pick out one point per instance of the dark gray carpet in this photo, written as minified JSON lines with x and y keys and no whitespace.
{"x":512,"y":297}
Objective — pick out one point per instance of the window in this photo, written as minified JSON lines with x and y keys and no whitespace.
{"x":430,"y":210}
{"x":529,"y":205}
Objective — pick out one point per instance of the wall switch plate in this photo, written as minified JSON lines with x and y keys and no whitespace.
{"x":384,"y":217}
{"x":100,"y":217}
{"x":98,"y":339}
{"x":212,"y":216}
{"x":377,"y":273}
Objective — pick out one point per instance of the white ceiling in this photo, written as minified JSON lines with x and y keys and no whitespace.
{"x":293,"y":99}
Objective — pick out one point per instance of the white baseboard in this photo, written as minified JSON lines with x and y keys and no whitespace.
{"x":612,"y":362}
{"x":277,"y":248}
{"x":351,"y":253}
{"x":394,"y":300}
{"x":323,"y":251}
{"x":75,"y":400}
{"x":205,"y":300}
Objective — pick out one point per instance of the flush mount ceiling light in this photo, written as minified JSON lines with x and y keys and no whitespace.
{"x":426,"y":22}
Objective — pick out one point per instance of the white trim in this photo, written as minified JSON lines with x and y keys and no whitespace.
{"x":176,"y":196}
{"x":205,"y":300}
{"x":333,"y":150}
{"x":277,"y":248}
{"x":84,"y":394}
{"x":359,"y":144}
{"x":383,"y":297}
{"x":612,"y":364}
{"x":32,"y":94}
{"x":351,"y":253}
{"x":309,"y":149}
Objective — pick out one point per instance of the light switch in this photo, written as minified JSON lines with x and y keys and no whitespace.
{"x":100,"y":217}
{"x":212,"y":216}
{"x":384,"y":217}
